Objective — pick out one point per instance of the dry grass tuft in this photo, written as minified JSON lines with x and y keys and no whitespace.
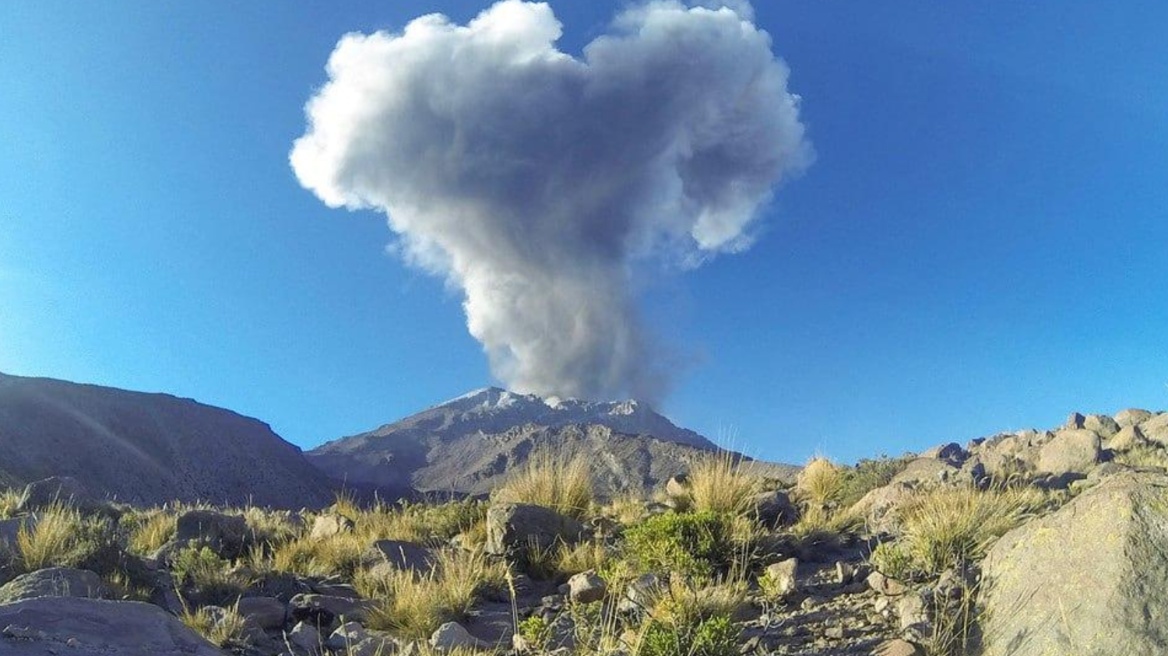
{"x":224,"y":627}
{"x":552,"y":480}
{"x":820,"y":483}
{"x":11,"y":501}
{"x":59,"y":538}
{"x":718,"y":483}
{"x":150,"y":530}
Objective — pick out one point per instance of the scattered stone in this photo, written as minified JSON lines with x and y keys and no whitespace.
{"x":899,"y":647}
{"x":774,"y":508}
{"x":451,"y":636}
{"x":54,"y":582}
{"x":586,"y":588}
{"x":93,"y":627}
{"x":226,"y":535}
{"x":403,"y":555}
{"x":1070,"y":451}
{"x":886,"y":586}
{"x":913,"y":613}
{"x":1132,"y":417}
{"x":329,"y":525}
{"x":306,"y":637}
{"x":845,"y":572}
{"x":263,"y":612}
{"x":783,"y":576}
{"x":1107,"y":552}
{"x":515,"y":526}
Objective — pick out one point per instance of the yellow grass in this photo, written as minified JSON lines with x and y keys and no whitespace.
{"x":821,"y":482}
{"x":718,"y":483}
{"x":152,"y":529}
{"x":55,"y":541}
{"x":552,"y":480}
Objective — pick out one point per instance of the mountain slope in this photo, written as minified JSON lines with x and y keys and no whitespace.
{"x":147,"y":448}
{"x":470,"y":443}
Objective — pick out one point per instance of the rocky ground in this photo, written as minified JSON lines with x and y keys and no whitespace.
{"x":1032,"y":542}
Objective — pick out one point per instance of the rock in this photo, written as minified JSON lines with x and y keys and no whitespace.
{"x":451,"y":636}
{"x":641,"y":593}
{"x":10,"y":528}
{"x":54,"y":582}
{"x":845,"y":572}
{"x":324,"y":610}
{"x":951,"y":453}
{"x":1075,"y":421}
{"x":783,"y":577}
{"x":1086,"y":579}
{"x":586,"y":588}
{"x":1103,"y":425}
{"x":1128,"y":438}
{"x":263,"y":612}
{"x":404,"y":555}
{"x":41,"y":494}
{"x":330,"y":524}
{"x":1156,"y":428}
{"x":886,"y":586}
{"x":91,"y":627}
{"x":346,"y":635}
{"x":774,"y":508}
{"x":912,"y":612}
{"x":306,"y":637}
{"x":926,"y":471}
{"x":878,"y":507}
{"x":226,"y":535}
{"x":515,"y":526}
{"x":898,"y":647}
{"x":372,"y":646}
{"x":677,"y":486}
{"x":1071,"y":451}
{"x":1132,"y":417}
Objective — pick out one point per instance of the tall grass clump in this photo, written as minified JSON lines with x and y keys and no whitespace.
{"x":951,"y":527}
{"x":553,"y":480}
{"x":62,"y":537}
{"x":820,"y":483}
{"x":11,"y":501}
{"x":149,"y":530}
{"x":720,"y":484}
{"x":222,"y":627}
{"x":413,"y":605}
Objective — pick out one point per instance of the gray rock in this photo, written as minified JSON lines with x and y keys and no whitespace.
{"x":1071,"y":451}
{"x":774,"y":508}
{"x":586,"y":588}
{"x":263,"y":612}
{"x":91,"y":627}
{"x":226,"y":535}
{"x":1127,"y":438}
{"x":677,"y":486}
{"x":1075,"y":421}
{"x":346,"y":635}
{"x":452,"y":635}
{"x":951,"y":453}
{"x":404,"y":555}
{"x":373,"y":646}
{"x":1087,"y":579}
{"x":328,"y":525}
{"x":324,"y":610}
{"x":1131,"y":417}
{"x":783,"y":576}
{"x":641,"y":593}
{"x":1156,"y":428}
{"x":912,"y":613}
{"x":54,"y":582}
{"x":878,"y":507}
{"x":889,"y":587}
{"x":65,"y":489}
{"x":10,"y":528}
{"x":515,"y":526}
{"x":899,"y":647}
{"x":1103,"y":425}
{"x":306,"y":637}
{"x":926,"y":471}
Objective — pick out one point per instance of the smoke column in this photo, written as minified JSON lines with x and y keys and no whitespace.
{"x":533,"y":181}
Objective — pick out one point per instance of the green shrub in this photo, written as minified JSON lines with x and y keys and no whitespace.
{"x":696,"y":544}
{"x":210,"y":575}
{"x":867,"y":475}
{"x":713,"y":636}
{"x":535,"y":630}
{"x":893,"y":559}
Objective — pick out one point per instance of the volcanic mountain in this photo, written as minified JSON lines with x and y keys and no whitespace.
{"x":469,"y":444}
{"x":148,"y":448}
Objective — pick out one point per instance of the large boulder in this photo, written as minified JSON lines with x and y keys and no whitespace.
{"x":1156,"y":428}
{"x":398,"y":554}
{"x":58,"y":489}
{"x":226,"y":535}
{"x":1070,"y":451}
{"x":1087,"y":579}
{"x":512,"y":527}
{"x":1129,"y":437}
{"x":54,"y":582}
{"x":1102,"y":424}
{"x":92,"y":627}
{"x":1132,"y":417}
{"x":879,"y":507}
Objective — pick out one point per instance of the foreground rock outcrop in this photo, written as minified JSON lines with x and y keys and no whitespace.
{"x":1087,"y":579}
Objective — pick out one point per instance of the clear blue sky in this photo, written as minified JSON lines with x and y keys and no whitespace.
{"x":981,"y":244}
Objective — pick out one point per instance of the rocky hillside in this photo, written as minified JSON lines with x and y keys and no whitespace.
{"x":147,"y":448}
{"x":469,"y":444}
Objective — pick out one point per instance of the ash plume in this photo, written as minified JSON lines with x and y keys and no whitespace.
{"x":535,"y":181}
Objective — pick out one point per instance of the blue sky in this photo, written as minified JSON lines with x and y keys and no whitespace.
{"x":980,"y":245}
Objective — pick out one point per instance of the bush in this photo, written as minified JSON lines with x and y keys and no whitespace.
{"x":820,"y":483}
{"x":210,"y":576}
{"x":552,"y":480}
{"x":713,"y":636}
{"x":698,"y":544}
{"x":867,"y":475}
